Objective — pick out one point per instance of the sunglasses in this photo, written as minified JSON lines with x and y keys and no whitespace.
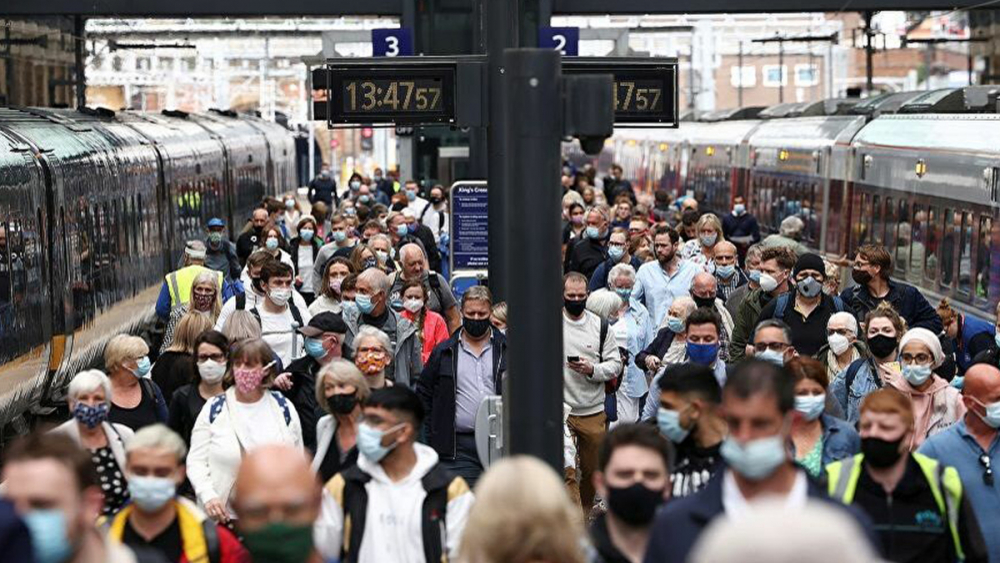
{"x":984,"y":460}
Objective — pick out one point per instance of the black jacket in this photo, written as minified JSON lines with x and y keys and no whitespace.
{"x":906,"y":299}
{"x":585,"y":255}
{"x":658,"y":347}
{"x":185,"y":406}
{"x":909,"y":522}
{"x":303,"y":396}
{"x":438,"y":388}
{"x":679,"y":525}
{"x":604,"y":548}
{"x":294,"y":253}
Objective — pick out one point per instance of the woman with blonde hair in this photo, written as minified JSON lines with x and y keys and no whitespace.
{"x":249,"y":414}
{"x":522,"y":514}
{"x":136,"y":401}
{"x":175,"y":366}
{"x":341,"y":389}
{"x":205,"y":299}
{"x":240,"y":326}
{"x":701,"y":250}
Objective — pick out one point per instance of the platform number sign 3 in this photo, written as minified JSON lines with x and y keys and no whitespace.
{"x":392,"y":42}
{"x":566,"y":40}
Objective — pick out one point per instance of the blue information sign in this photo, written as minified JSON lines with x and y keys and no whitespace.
{"x":566,"y":40}
{"x":392,"y":42}
{"x":470,"y":233}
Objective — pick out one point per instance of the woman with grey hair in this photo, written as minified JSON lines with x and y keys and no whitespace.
{"x":89,"y":399}
{"x":205,"y":299}
{"x":372,"y":354}
{"x":341,"y":389}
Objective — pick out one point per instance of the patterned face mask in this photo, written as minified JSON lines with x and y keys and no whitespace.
{"x":90,"y":415}
{"x":371,"y":363}
{"x":202,"y":302}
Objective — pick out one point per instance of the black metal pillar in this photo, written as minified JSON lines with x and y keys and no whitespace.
{"x":869,"y":53}
{"x":534,"y":389}
{"x":501,"y":34}
{"x":79,"y":62}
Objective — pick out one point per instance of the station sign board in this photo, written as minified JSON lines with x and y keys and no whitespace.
{"x":470,"y":233}
{"x":645,"y":90}
{"x":392,"y":42}
{"x":566,"y":40}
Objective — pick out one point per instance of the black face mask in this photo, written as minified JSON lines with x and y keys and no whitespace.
{"x":258,"y":230}
{"x":436,"y":200}
{"x":861,"y":277}
{"x":575,"y":308}
{"x":880,"y":453}
{"x":475,"y":328}
{"x":882,"y":346}
{"x":635,"y":505}
{"x":708,"y":302}
{"x":342,"y":404}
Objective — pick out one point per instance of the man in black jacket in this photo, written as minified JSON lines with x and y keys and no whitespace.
{"x":587,"y":253}
{"x":461,"y":372}
{"x":872,"y":267}
{"x":324,"y":336}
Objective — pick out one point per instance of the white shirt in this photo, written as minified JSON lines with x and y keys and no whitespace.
{"x":276,"y":329}
{"x":258,"y":423}
{"x":416,"y":206}
{"x":737,"y":507}
{"x":436,"y":221}
{"x":306,"y":267}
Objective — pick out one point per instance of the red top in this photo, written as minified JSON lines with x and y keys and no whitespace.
{"x":435,"y":331}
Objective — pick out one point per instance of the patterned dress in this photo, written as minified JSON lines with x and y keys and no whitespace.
{"x":112,"y":480}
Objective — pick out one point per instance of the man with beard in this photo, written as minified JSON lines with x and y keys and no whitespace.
{"x":658,"y":283}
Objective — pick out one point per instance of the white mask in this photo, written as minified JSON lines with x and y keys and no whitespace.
{"x":838,"y":343}
{"x":413,"y":305}
{"x":768,"y":283}
{"x":211,"y":371}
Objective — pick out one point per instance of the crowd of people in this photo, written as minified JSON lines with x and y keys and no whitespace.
{"x":315,"y":392}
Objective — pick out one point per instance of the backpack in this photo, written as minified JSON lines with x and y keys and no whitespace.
{"x":852,"y":373}
{"x":781,"y":307}
{"x":220,"y":401}
{"x":440,"y":216}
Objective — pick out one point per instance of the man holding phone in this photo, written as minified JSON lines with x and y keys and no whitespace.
{"x":590,"y":362}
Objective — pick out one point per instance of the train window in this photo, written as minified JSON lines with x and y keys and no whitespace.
{"x":931,"y":233}
{"x":864,"y":221}
{"x":965,"y":253}
{"x":951,"y":221}
{"x":877,"y":224}
{"x":5,"y":268}
{"x":903,"y":236}
{"x":983,"y":257}
{"x":890,"y":225}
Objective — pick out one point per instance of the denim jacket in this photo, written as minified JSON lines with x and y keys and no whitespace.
{"x":865,"y":382}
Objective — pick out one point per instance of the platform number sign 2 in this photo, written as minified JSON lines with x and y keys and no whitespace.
{"x":392,"y":42}
{"x":566,"y":40}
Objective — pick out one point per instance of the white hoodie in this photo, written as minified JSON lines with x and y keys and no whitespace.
{"x":393,"y":521}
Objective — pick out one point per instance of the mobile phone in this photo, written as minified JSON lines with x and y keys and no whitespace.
{"x":572,"y":358}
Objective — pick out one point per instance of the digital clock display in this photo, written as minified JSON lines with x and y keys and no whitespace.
{"x":380,"y":95}
{"x":644,"y":91}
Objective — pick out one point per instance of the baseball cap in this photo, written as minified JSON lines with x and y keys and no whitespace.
{"x":324,"y":322}
{"x":216,"y":222}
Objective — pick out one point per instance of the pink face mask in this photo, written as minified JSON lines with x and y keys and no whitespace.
{"x":248,"y":379}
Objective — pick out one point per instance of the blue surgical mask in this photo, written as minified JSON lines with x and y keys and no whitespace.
{"x":916,"y":375}
{"x":704,"y":354}
{"x":725,"y":272}
{"x":48,"y":535}
{"x":616,"y":253}
{"x":776,"y":358}
{"x":709,"y":240}
{"x":593,"y":232}
{"x":402,"y":230}
{"x":811,"y":406}
{"x":675,"y":324}
{"x":370,"y":442}
{"x":314,"y":347}
{"x":271,"y":243}
{"x":142,"y":367}
{"x":364,"y":198}
{"x":339,"y":236}
{"x":670,"y":425}
{"x":755,"y":460}
{"x":364,"y":303}
{"x":307,"y":234}
{"x":151,"y":493}
{"x":625,"y":293}
{"x":90,"y":416}
{"x":754,"y":276}
{"x":739,"y":209}
{"x":411,"y":195}
{"x":992,"y":418}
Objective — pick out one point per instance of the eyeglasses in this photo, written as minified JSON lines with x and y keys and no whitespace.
{"x":840,"y":331}
{"x":984,"y":460}
{"x":214,"y":357}
{"x":919,"y":358}
{"x":772,"y":346}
